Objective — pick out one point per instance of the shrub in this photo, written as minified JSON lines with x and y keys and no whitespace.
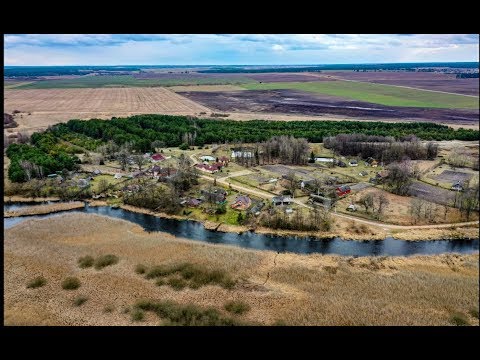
{"x":237,"y":307}
{"x":160,"y":282}
{"x":39,"y":281}
{"x":85,"y":261}
{"x":108,"y":309}
{"x":459,"y":319}
{"x":140,"y":269}
{"x":474,"y":313}
{"x":186,"y":315}
{"x":70,"y":283}
{"x":105,"y":260}
{"x":137,"y":315}
{"x":80,"y":300}
{"x":176,"y":283}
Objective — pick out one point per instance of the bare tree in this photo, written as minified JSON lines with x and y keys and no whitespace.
{"x":102,"y":186}
{"x":292,"y":182}
{"x":382,"y":206}
{"x":366,"y":201}
{"x":415,"y":209}
{"x":140,"y":161}
{"x":399,"y":177}
{"x":123,"y":157}
{"x":27,"y":167}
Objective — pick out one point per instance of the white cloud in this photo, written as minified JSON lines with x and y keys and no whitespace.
{"x":278,"y":47}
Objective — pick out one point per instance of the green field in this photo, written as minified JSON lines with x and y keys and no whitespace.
{"x":375,"y":93}
{"x":125,"y":81}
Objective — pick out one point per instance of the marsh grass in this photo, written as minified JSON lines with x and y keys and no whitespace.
{"x":86,"y":261}
{"x":140,"y":269}
{"x":186,"y":315}
{"x":105,"y":260}
{"x":474,"y":313}
{"x":459,"y":319}
{"x":237,"y":307}
{"x":137,"y":314}
{"x":80,"y":300}
{"x":70,"y":283}
{"x":191,"y":275}
{"x":39,"y":281}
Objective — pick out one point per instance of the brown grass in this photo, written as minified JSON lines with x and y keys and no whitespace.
{"x":301,"y":289}
{"x":44,"y":209}
{"x":206,"y":88}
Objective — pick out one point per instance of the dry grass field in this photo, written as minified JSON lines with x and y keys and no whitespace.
{"x":50,"y":106}
{"x":205,"y":88}
{"x":279,"y":288}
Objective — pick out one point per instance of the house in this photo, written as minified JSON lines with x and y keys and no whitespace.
{"x":136,"y":174}
{"x":324,"y":160}
{"x":457,"y":187}
{"x":241,"y":154}
{"x":322,"y":200}
{"x":242,"y":202}
{"x":157,"y":157}
{"x":191,"y":202}
{"x":282,"y":200}
{"x":217,"y":195}
{"x":147,"y":155}
{"x":131,"y":188}
{"x":363,"y":173}
{"x":381,"y":175}
{"x":51,"y":176}
{"x":208,"y":158}
{"x":117,"y":176}
{"x":288,"y":210}
{"x":374,"y":163}
{"x":353,"y":163}
{"x":343,"y":190}
{"x":213,"y":168}
{"x":224,"y":160}
{"x":341,"y":163}
{"x":351,"y":207}
{"x":255,"y":209}
{"x":83,"y":183}
{"x":155,"y":170}
{"x":96,"y":172}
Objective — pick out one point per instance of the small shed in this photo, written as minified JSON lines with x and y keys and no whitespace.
{"x":117,"y":176}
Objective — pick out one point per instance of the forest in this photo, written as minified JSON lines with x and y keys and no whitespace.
{"x":55,"y":149}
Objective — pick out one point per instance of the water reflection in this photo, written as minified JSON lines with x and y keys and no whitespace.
{"x":302,"y":245}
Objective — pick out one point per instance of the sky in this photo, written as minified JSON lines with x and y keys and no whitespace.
{"x":231,"y":49}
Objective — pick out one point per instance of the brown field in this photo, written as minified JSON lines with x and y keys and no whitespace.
{"x":206,"y":88}
{"x":420,"y":80}
{"x":398,"y":209}
{"x":50,"y":106}
{"x":296,"y":103}
{"x":280,"y":288}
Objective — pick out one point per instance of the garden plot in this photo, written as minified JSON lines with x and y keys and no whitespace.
{"x":451,"y":176}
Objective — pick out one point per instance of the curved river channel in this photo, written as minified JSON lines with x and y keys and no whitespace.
{"x":297,"y":244}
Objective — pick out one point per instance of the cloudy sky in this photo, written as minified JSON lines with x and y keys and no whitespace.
{"x":182,"y":49}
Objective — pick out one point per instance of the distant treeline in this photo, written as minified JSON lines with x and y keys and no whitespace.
{"x":171,"y":130}
{"x":467,"y":75}
{"x":386,"y":66}
{"x":385,"y":149}
{"x":60,"y":70}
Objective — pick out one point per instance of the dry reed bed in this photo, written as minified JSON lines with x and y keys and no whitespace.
{"x":299,"y":290}
{"x":43,"y":209}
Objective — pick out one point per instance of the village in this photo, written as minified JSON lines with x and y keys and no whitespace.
{"x":229,"y":188}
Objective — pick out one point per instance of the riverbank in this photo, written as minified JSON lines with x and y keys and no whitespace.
{"x":16,"y":198}
{"x":44,"y":209}
{"x":284,"y":288}
{"x":345,"y":229}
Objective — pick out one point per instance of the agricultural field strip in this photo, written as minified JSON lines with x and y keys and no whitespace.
{"x":147,"y":100}
{"x":376,"y":93}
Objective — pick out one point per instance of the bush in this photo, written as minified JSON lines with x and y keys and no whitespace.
{"x":108,"y":309}
{"x":85,"y":261}
{"x":237,"y":307}
{"x":140,"y":269}
{"x":459,"y":319}
{"x":137,"y":315}
{"x":184,"y":146}
{"x":474,"y":313}
{"x":80,"y":300}
{"x":39,"y":281}
{"x":160,"y":282}
{"x":176,"y":283}
{"x":186,"y":315}
{"x":70,"y":283}
{"x":105,"y":260}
